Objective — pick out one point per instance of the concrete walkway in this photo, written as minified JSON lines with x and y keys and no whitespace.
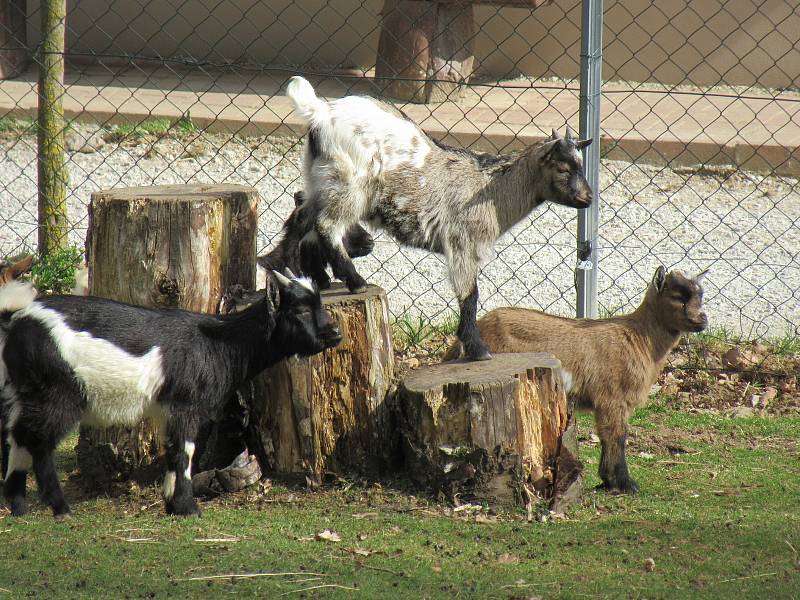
{"x":650,"y":125}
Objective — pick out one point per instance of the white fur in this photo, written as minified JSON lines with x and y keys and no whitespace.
{"x":120,"y":388}
{"x":169,"y":485}
{"x":568,"y":380}
{"x":16,"y":295}
{"x":361,"y":139}
{"x":188,"y":448}
{"x":19,"y":459}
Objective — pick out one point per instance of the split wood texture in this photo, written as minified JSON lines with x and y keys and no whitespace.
{"x":328,"y":412}
{"x":489,"y":429}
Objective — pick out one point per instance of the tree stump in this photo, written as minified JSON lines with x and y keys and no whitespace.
{"x":327,"y":412}
{"x":13,"y":38}
{"x":426,"y":47}
{"x":165,"y":246}
{"x":489,"y":430}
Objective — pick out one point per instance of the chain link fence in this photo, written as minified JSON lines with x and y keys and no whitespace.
{"x":700,"y":117}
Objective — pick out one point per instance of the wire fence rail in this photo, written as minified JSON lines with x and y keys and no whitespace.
{"x":698,"y":115}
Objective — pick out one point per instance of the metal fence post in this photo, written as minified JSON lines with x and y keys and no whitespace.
{"x":53,"y":224}
{"x":591,"y":81}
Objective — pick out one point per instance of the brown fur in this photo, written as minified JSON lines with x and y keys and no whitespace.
{"x":11,"y":271}
{"x":612,"y":363}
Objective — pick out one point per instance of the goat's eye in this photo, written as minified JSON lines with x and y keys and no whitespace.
{"x":563,"y":168}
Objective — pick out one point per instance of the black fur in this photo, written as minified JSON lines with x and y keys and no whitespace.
{"x":204,"y":360}
{"x":468,"y":333}
{"x":311,"y":259}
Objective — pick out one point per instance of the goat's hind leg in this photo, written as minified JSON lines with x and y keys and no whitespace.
{"x":181,"y":432}
{"x":342,"y":265}
{"x":312,"y":260}
{"x":20,"y":462}
{"x":464,"y":278}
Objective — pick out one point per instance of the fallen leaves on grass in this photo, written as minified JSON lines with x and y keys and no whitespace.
{"x":508,"y":559}
{"x":649,"y":565}
{"x":327,"y":535}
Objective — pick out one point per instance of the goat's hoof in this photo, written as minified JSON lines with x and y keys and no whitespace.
{"x":19,"y":508}
{"x":64,"y":516}
{"x":481,"y":356}
{"x":628,"y":486}
{"x":184,"y":509}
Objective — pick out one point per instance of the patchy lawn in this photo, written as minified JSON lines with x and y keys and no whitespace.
{"x":718,"y":516}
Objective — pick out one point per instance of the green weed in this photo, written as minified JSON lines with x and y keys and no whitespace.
{"x":55,"y":273}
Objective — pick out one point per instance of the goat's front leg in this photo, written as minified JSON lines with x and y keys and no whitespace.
{"x":313,"y":261}
{"x":181,"y":433}
{"x":611,"y":421}
{"x":330,"y":240}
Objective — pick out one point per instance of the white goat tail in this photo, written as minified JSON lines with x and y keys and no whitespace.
{"x":16,"y":295}
{"x":307,"y":104}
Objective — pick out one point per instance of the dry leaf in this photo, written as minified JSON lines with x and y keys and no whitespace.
{"x":394,"y":529}
{"x":328,"y":536}
{"x":507,"y":559}
{"x":649,"y":565}
{"x":362,"y":552}
{"x":365,"y":515}
{"x":361,"y":537}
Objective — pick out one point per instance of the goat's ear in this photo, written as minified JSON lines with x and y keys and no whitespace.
{"x":659,"y":277}
{"x":283,"y":281}
{"x":549,"y":147}
{"x":288,"y":272}
{"x":298,"y":199}
{"x":581,"y":144}
{"x":273,"y":293}
{"x":553,"y":135}
{"x":700,"y":276}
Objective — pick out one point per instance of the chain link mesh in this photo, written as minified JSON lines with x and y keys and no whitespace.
{"x":700,"y":122}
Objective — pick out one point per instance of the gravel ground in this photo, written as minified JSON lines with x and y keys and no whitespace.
{"x":744,"y":227}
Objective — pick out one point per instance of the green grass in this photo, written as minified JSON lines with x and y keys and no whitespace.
{"x":155,"y":127}
{"x":720,"y":522}
{"x":55,"y":273}
{"x":416,"y":330}
{"x":14,"y":125}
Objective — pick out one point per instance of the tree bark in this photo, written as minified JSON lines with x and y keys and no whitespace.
{"x":13,"y":38}
{"x":489,"y":430}
{"x":165,"y":246}
{"x":52,"y":168}
{"x":328,"y":412}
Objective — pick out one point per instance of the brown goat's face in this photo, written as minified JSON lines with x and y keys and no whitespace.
{"x":10,"y":271}
{"x":681,"y":301}
{"x":564,"y":165}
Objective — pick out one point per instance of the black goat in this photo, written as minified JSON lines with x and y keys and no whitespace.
{"x":70,"y":359}
{"x":287,"y":254}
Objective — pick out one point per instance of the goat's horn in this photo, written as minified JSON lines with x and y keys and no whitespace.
{"x":288,"y":272}
{"x":282,"y":280}
{"x":570,"y":133}
{"x":699,"y":277}
{"x":554,"y":135}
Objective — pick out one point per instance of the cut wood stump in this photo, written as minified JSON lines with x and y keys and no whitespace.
{"x":326,"y":413}
{"x":489,"y":430}
{"x":166,"y":246}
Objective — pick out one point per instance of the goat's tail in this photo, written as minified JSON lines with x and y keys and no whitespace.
{"x":16,"y":295}
{"x":307,"y":104}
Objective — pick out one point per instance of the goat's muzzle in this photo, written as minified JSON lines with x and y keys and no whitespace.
{"x":700,"y":323}
{"x":332,"y":336}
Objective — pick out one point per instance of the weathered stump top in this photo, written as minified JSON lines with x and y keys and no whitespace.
{"x":501,"y":366}
{"x":174,"y":192}
{"x":339,"y":294}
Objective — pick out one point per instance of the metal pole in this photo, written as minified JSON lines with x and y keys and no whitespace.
{"x":591,"y":83}
{"x":53,"y":224}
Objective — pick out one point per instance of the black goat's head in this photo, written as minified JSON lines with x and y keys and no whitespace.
{"x":562,"y":166}
{"x":301,"y":322}
{"x":679,"y":301}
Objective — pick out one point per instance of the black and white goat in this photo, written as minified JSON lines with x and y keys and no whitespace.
{"x":364,"y":161}
{"x":286,"y":254}
{"x":70,"y":359}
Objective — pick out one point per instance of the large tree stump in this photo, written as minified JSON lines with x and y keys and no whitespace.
{"x":165,"y":246}
{"x":489,"y":429}
{"x":327,"y":412}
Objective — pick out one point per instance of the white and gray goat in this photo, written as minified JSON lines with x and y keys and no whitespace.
{"x":70,"y":359}
{"x":364,"y":161}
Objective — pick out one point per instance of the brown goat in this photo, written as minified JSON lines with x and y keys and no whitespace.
{"x":10,"y":271}
{"x":608,"y":365}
